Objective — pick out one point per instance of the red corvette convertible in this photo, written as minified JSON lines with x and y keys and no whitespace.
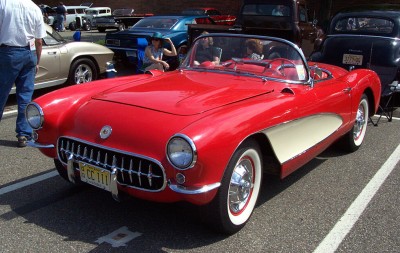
{"x":238,"y":108}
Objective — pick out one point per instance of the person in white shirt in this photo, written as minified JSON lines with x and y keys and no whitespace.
{"x":21,"y":31}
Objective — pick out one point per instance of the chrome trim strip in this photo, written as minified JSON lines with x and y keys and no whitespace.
{"x":362,"y":35}
{"x":122,"y":48}
{"x":193,"y":190}
{"x":33,"y":144}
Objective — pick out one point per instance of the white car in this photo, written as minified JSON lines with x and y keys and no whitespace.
{"x":92,"y":13}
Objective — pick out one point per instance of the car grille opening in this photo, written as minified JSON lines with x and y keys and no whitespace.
{"x":133,"y":170}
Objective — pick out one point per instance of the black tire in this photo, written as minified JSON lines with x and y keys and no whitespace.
{"x":121,"y":27}
{"x":82,"y":71}
{"x":234,"y":203}
{"x":101,"y":30}
{"x":355,"y":137}
{"x":72,"y":26}
{"x":86,"y":27}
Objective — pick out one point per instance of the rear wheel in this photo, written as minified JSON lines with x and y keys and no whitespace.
{"x":82,"y":71}
{"x":236,"y":198}
{"x":355,"y":137}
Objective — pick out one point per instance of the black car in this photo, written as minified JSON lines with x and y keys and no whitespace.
{"x":366,"y":37}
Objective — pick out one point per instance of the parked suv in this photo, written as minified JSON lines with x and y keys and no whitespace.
{"x":93,"y":13}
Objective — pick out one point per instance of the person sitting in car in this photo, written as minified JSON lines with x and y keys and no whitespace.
{"x":206,"y":52}
{"x":153,"y":56}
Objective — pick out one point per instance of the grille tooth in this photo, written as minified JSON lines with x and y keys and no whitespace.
{"x":130,"y":170}
{"x":67,"y":148}
{"x":122,"y":169}
{"x":149,"y":175}
{"x":139,"y":173}
{"x":79,"y":151}
{"x":91,"y":155}
{"x":142,"y":173}
{"x":98,"y":158}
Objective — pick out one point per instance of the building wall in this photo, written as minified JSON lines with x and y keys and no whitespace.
{"x":156,"y":6}
{"x":323,"y":8}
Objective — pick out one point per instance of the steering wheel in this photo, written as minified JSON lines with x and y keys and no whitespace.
{"x":283,"y":63}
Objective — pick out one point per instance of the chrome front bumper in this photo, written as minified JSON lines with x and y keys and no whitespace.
{"x":193,"y":190}
{"x":34,"y":144}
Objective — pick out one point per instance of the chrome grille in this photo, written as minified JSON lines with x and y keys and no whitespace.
{"x":133,"y":170}
{"x":112,"y":42}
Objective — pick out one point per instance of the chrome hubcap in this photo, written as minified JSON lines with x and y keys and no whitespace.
{"x":83,"y":74}
{"x":360,"y":121}
{"x":241,"y":186}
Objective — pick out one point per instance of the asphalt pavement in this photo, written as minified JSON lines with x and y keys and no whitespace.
{"x":338,"y":202}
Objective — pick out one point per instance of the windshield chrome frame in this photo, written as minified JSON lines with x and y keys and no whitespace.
{"x":308,"y":80}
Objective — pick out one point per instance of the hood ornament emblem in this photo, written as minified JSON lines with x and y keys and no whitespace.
{"x":105,"y":132}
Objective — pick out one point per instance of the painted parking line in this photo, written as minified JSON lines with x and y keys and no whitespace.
{"x":335,"y":237}
{"x":119,"y":237}
{"x":27,"y":182}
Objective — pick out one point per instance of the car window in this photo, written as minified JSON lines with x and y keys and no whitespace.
{"x":364,"y":25}
{"x":71,"y":11}
{"x":193,"y":12}
{"x":302,"y":14}
{"x":53,"y":38}
{"x":80,"y":11}
{"x":162,"y":23}
{"x":92,"y":12}
{"x":202,"y":21}
{"x":266,"y":10}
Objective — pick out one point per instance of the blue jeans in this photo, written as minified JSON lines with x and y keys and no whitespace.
{"x":60,"y":22}
{"x":17,"y":65}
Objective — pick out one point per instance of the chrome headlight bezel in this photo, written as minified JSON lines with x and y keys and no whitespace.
{"x":34,"y":115}
{"x":185,"y":156}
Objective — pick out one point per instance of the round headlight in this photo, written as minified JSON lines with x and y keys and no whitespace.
{"x":181,"y":152}
{"x":34,"y":115}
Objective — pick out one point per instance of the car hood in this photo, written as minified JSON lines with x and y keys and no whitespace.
{"x":186,"y":92}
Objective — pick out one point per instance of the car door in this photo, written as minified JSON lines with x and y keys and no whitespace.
{"x":49,"y":65}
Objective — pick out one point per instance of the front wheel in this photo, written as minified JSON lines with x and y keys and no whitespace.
{"x":355,"y":137}
{"x":237,"y":196}
{"x":121,"y":27}
{"x":82,"y":71}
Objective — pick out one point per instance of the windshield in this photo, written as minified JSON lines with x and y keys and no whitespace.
{"x":162,"y":23}
{"x":364,"y":25}
{"x":92,"y":12}
{"x":266,"y":10}
{"x":261,"y":57}
{"x":52,"y":37}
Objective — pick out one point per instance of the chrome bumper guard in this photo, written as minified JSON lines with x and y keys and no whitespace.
{"x":193,"y":190}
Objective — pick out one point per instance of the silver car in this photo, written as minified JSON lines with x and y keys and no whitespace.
{"x":64,"y":62}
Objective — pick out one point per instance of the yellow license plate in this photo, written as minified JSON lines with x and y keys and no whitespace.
{"x":352,"y":59}
{"x":95,"y":176}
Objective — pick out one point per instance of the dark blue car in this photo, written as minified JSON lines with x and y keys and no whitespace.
{"x":125,"y":43}
{"x":366,"y":36}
